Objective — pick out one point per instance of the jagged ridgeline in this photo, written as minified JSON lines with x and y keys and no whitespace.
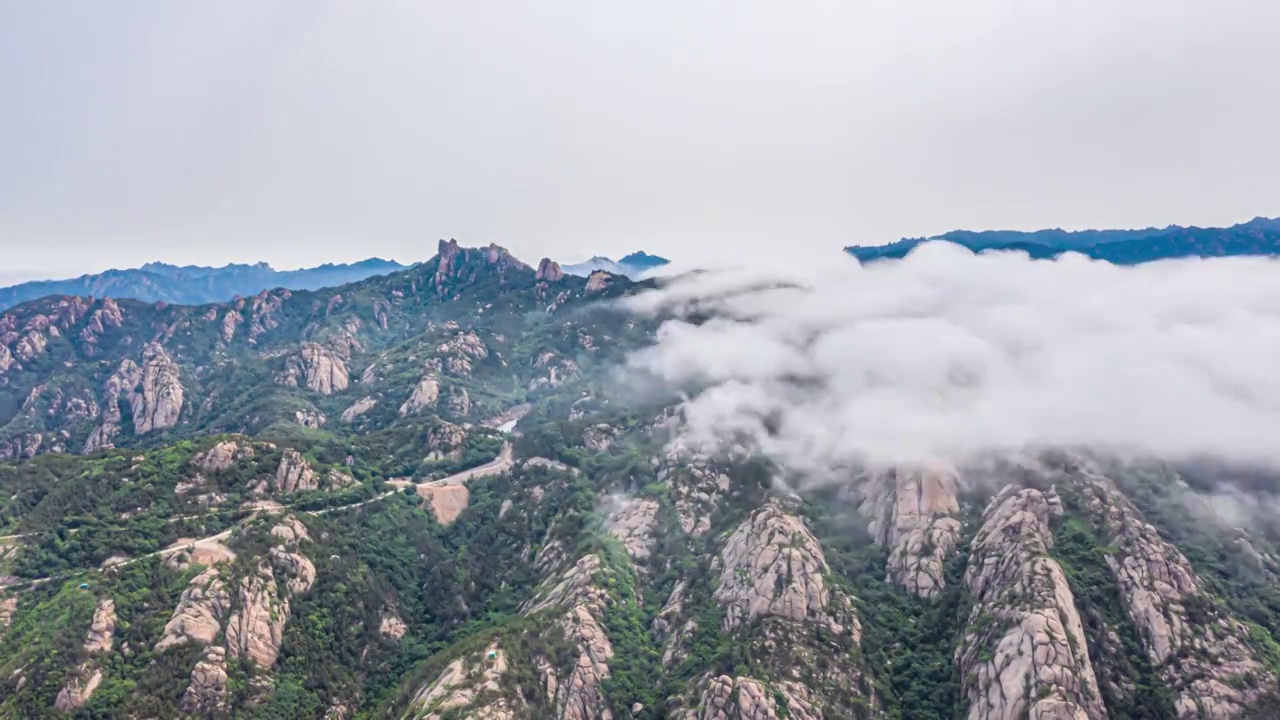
{"x":434,"y":494}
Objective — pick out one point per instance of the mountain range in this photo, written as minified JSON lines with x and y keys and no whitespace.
{"x":428,"y":494}
{"x":193,"y":285}
{"x":633,"y":266}
{"x":1260,"y":236}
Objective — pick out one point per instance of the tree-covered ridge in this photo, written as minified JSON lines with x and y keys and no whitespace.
{"x":1260,"y":236}
{"x":79,"y":374}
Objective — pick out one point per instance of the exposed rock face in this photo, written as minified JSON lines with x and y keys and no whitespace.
{"x":154,"y":392}
{"x":424,"y":395}
{"x":121,"y":383}
{"x":558,"y":369}
{"x":446,"y":501}
{"x":598,"y":281}
{"x":310,"y":418}
{"x":392,"y":626}
{"x":344,"y":344}
{"x":446,"y":266}
{"x":464,"y":682}
{"x":22,"y":447}
{"x":549,"y":271}
{"x":31,"y":345}
{"x":76,"y":407}
{"x":580,"y":696}
{"x":459,"y":354}
{"x":577,"y":589}
{"x":668,"y":624}
{"x":445,"y":440}
{"x":361,"y":406}
{"x":264,"y":312}
{"x":697,"y":489}
{"x":207,"y":691}
{"x":336,"y":480}
{"x":317,"y":368}
{"x":101,"y":438}
{"x":632,"y":525}
{"x":256,"y":629}
{"x":299,"y":571}
{"x":911,"y":512}
{"x":291,"y":530}
{"x":229,"y":322}
{"x":101,"y":635}
{"x":8,"y":606}
{"x":773,"y":566}
{"x":222,"y":456}
{"x":598,"y":437}
{"x":79,"y":688}
{"x":157,"y":401}
{"x":1024,"y":652}
{"x":294,"y":473}
{"x":743,"y":698}
{"x":107,"y":315}
{"x":6,"y":360}
{"x":199,"y":613}
{"x":1206,"y":660}
{"x":459,"y":403}
{"x":457,"y":266}
{"x":339,"y":710}
{"x":772,"y":580}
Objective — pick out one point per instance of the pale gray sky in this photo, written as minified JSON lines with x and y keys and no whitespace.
{"x":305,"y":131}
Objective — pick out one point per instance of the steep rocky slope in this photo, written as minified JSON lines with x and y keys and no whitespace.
{"x":1023,"y":653}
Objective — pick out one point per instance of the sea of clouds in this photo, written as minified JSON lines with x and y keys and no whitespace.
{"x":947,"y":356}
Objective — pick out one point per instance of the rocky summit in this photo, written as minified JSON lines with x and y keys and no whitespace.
{"x":432,"y":494}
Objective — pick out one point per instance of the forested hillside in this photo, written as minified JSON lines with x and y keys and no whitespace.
{"x":444,"y":493}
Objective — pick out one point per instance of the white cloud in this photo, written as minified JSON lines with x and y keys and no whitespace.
{"x":947,"y":355}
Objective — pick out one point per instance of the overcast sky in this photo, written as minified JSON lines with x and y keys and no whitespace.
{"x":299,"y":132}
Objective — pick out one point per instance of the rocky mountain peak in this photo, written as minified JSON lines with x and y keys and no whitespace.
{"x":456,"y":265}
{"x":549,"y":270}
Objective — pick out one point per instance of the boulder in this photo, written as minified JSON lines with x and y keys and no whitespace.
{"x":198,"y":615}
{"x":102,"y":631}
{"x":424,"y":395}
{"x":207,"y":691}
{"x":294,"y":473}
{"x":360,"y":407}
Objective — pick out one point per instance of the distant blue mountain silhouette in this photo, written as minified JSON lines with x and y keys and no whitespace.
{"x":633,"y":265}
{"x":1260,"y":236}
{"x":193,"y":285}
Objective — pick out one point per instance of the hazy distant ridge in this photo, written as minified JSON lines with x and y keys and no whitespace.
{"x":1260,"y":236}
{"x":632,"y":265}
{"x":195,"y":285}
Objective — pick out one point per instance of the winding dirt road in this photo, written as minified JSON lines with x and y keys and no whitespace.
{"x":498,"y":465}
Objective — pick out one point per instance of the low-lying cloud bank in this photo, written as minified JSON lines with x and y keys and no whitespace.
{"x":946,"y":356}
